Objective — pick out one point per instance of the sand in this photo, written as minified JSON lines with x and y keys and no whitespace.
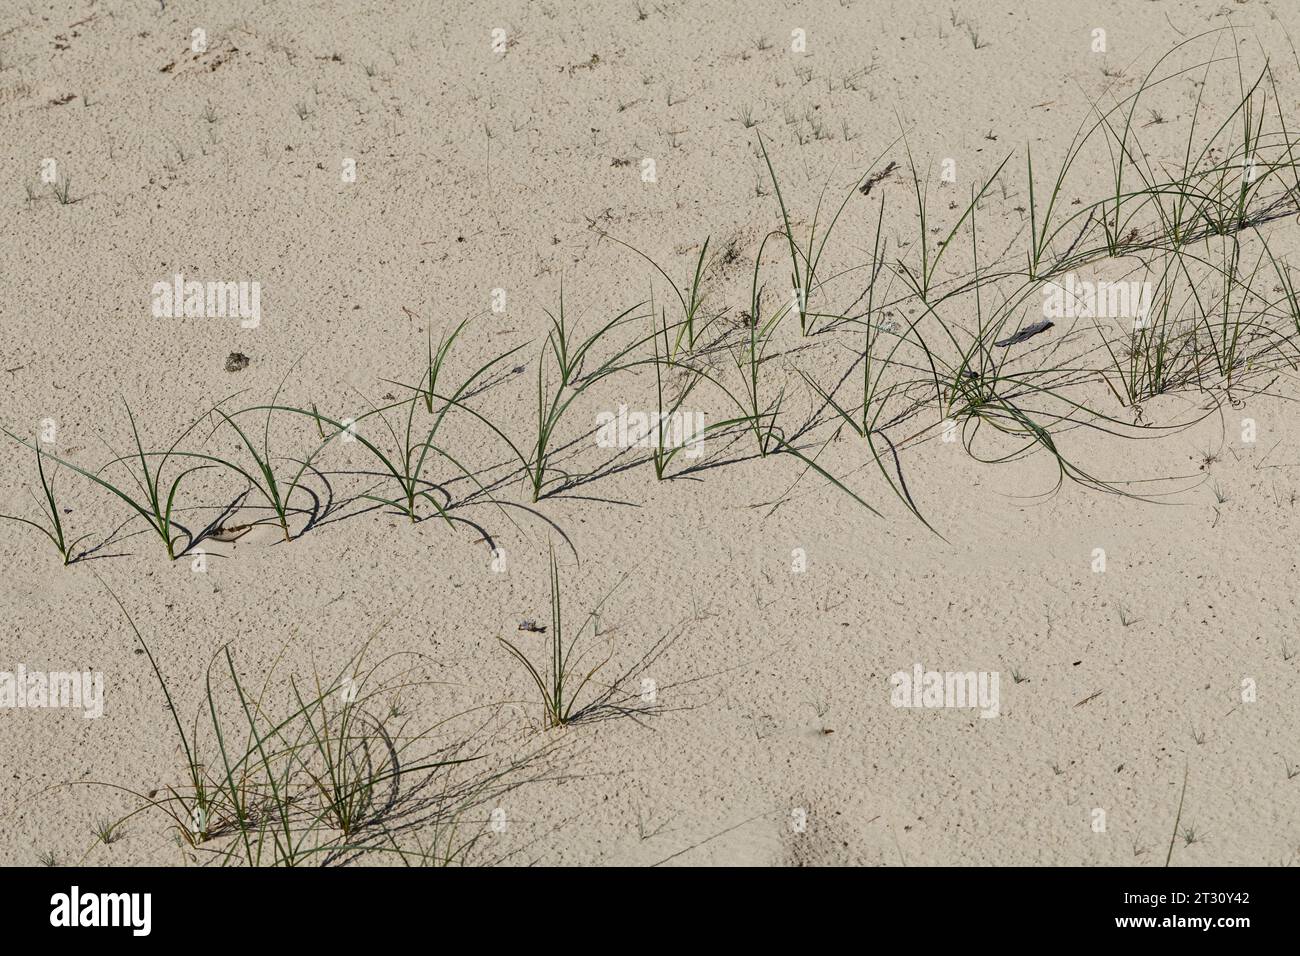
{"x":766,"y":606}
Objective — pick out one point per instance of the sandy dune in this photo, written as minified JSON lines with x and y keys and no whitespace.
{"x":376,"y":178}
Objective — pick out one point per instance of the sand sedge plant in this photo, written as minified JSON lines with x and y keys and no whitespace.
{"x":1150,"y":361}
{"x":664,"y":362}
{"x":458,"y":399}
{"x":1195,"y":197}
{"x":562,"y":679}
{"x":1123,"y":151}
{"x":964,"y":375}
{"x":1226,"y":332}
{"x":974,"y":388}
{"x":348,"y":756}
{"x":873,"y":367}
{"x":1178,"y":816}
{"x":195,"y":814}
{"x":1177,"y":222}
{"x":276,"y":491}
{"x":1041,"y":232}
{"x":107,"y":831}
{"x":406,"y":463}
{"x":444,"y":841}
{"x":154,"y":506}
{"x":691,"y":299}
{"x":757,"y":414}
{"x":154,"y":499}
{"x":1183,"y":191}
{"x":1203,"y":200}
{"x":865,"y":421}
{"x":1288,"y":160}
{"x":804,"y":260}
{"x":53,"y":526}
{"x":1030,"y":430}
{"x":868,"y":427}
{"x":922,"y":278}
{"x":1243,"y":174}
{"x":437,"y":358}
{"x":413,"y":446}
{"x":568,"y":354}
{"x":1287,"y":286}
{"x":314,"y":785}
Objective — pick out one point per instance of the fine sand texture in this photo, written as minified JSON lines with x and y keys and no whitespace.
{"x":626,"y":432}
